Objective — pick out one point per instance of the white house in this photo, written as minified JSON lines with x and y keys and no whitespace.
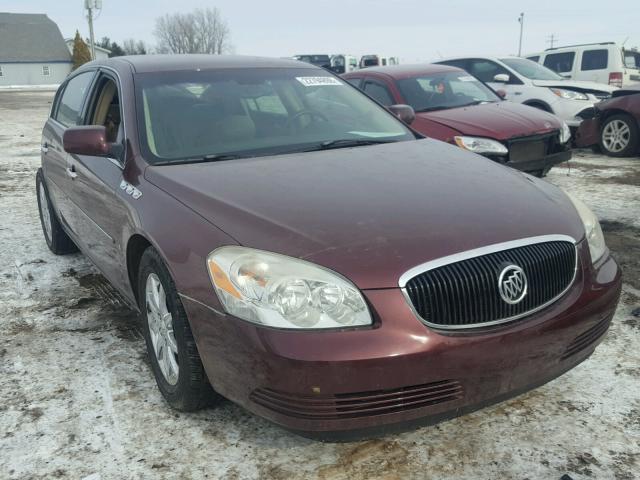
{"x":32,"y":50}
{"x":101,"y":53}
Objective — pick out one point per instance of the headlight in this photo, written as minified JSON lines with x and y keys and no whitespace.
{"x":592,"y":229}
{"x":481,"y":145}
{"x":569,"y":94}
{"x":283,"y":292}
{"x":565,"y":133}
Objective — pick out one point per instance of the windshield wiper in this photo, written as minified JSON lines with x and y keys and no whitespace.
{"x":205,"y":158}
{"x":346,"y":143}
{"x":431,"y":109}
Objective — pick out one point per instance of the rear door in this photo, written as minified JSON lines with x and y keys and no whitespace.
{"x":562,"y":63}
{"x":66,"y":112}
{"x":98,"y":194}
{"x":594,"y":65}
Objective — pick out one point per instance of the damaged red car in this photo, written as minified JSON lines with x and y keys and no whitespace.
{"x":455,"y":107}
{"x":613,"y":125}
{"x":292,"y":246}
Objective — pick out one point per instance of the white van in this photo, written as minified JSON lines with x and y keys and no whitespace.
{"x":596,"y":62}
{"x":341,"y":63}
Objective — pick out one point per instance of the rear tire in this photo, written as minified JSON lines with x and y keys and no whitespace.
{"x":173,"y":354}
{"x":619,"y":136}
{"x":57,"y":239}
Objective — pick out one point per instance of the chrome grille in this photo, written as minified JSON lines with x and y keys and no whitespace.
{"x":466,"y":293}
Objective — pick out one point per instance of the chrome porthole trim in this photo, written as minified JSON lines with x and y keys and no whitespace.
{"x":478,"y":252}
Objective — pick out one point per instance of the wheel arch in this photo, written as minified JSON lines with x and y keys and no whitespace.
{"x":136,"y":246}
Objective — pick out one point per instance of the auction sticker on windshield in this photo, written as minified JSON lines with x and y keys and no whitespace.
{"x":318,"y":81}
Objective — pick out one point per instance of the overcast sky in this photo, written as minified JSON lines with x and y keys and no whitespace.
{"x":414,"y":30}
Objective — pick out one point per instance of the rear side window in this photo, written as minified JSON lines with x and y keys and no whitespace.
{"x":595,"y":59}
{"x":560,"y":62}
{"x":378,"y":92}
{"x":69,"y":109}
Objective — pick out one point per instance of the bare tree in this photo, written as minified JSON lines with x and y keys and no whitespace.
{"x":200,"y":31}
{"x":133,"y":47}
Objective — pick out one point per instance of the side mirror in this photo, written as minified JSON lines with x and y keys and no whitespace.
{"x":502,"y":94}
{"x":404,"y":112}
{"x":86,"y":140}
{"x":501,"y":78}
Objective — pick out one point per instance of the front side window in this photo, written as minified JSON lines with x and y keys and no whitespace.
{"x":254,"y":112}
{"x":45,"y":70}
{"x":68,"y":110}
{"x":594,"y":59}
{"x":378,"y":92}
{"x":444,"y":90}
{"x":560,"y":62}
{"x":486,"y":70}
{"x":531,"y":70}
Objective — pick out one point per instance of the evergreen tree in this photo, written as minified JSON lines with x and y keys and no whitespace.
{"x":81,"y":54}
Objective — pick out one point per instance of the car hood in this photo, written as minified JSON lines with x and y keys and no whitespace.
{"x":370,"y":213}
{"x":500,"y":120}
{"x":580,"y":86}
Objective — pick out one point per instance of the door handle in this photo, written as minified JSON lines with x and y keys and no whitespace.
{"x":71,"y":172}
{"x":44,"y":148}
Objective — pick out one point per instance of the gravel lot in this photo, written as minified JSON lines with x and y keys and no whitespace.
{"x":77,"y":398}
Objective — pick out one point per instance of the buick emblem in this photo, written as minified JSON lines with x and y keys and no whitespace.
{"x":512,"y":284}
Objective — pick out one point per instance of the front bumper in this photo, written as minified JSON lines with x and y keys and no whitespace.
{"x":399,"y":373}
{"x":542,"y":164}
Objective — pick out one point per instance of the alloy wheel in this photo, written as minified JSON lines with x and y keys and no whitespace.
{"x":616,"y":135}
{"x":160,"y":323}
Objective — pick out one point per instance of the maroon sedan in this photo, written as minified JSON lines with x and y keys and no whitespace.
{"x":292,"y":246}
{"x":613,"y":125}
{"x":455,"y":107}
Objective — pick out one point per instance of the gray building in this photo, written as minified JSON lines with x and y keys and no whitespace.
{"x":32,"y":50}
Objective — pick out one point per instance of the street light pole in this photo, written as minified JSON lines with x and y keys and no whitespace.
{"x":521,"y":20}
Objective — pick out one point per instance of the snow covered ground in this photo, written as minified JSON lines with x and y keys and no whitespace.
{"x":77,"y":398}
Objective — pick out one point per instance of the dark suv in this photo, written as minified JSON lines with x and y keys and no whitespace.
{"x":295,"y":248}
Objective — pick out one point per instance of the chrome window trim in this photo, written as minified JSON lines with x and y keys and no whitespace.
{"x":478,"y":252}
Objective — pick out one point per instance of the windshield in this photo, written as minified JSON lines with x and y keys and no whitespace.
{"x":444,"y":90}
{"x":254,"y":112}
{"x":631,"y":59}
{"x":337,"y":61}
{"x":531,"y":70}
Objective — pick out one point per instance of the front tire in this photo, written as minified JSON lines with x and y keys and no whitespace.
{"x":173,"y":354}
{"x":619,"y":136}
{"x":57,"y":239}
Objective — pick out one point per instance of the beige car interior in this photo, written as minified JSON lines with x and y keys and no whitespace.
{"x":107,"y":111}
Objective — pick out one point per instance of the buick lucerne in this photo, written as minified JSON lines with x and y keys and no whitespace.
{"x":294,"y":247}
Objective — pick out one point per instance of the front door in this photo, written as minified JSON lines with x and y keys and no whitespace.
{"x":100,"y":207}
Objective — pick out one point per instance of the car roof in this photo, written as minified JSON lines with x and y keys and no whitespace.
{"x":166,"y":63}
{"x":404,"y":71}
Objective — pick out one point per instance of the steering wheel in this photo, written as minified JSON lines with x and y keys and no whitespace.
{"x":302,"y":113}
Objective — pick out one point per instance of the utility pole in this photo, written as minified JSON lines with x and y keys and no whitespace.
{"x":551,"y":40}
{"x":521,"y":21}
{"x":92,"y":5}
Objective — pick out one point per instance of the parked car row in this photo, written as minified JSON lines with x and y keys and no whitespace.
{"x":294,"y":247}
{"x":344,"y":63}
